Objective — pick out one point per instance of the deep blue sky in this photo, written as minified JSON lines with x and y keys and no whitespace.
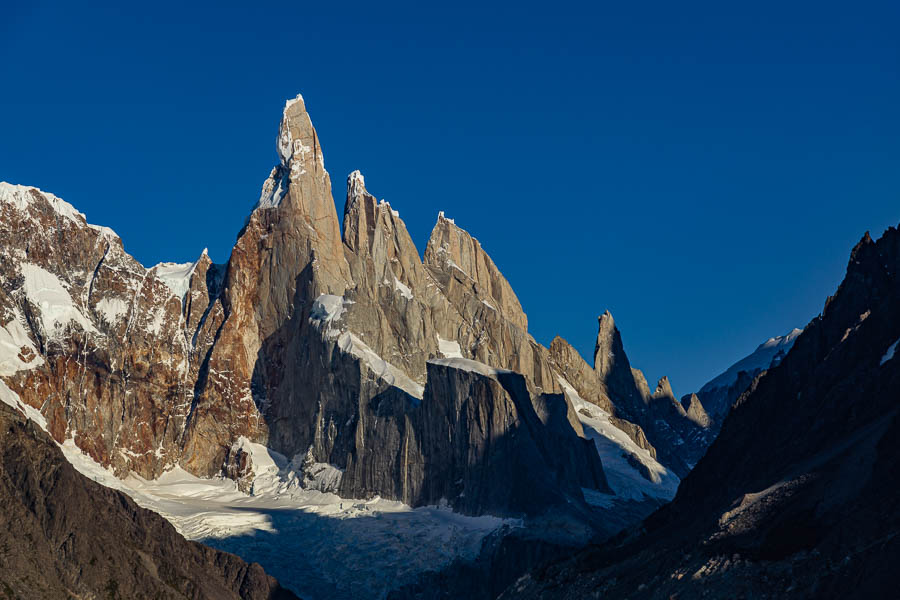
{"x":701,"y":170}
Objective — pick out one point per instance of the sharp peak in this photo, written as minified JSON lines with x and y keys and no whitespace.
{"x":295,"y":127}
{"x":356,"y":176}
{"x":606,"y":320}
{"x":356,"y":189}
{"x":290,"y":102}
{"x":442,"y":217}
{"x":356,"y":185}
{"x":664,"y":386}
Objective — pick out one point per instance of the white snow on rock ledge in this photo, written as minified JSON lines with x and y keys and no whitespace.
{"x":449,"y":348}
{"x":327,"y":308}
{"x":13,"y":338}
{"x":177,"y":276}
{"x":467,"y":364}
{"x":384,"y":370}
{"x":44,"y":290}
{"x":614,"y":446}
{"x":10,"y":398}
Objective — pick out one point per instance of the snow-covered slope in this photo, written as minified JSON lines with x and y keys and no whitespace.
{"x":309,"y":540}
{"x":631,"y":471}
{"x":718,"y":395}
{"x":759,"y":360}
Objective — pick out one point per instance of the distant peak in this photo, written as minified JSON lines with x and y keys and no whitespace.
{"x":443,"y":217}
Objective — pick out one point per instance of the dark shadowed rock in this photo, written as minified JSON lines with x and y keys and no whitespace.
{"x":64,"y":536}
{"x":797,"y":497}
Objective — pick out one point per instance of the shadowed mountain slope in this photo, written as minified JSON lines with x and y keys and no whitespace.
{"x":797,"y":497}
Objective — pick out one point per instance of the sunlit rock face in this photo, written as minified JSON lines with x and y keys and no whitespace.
{"x":314,"y":339}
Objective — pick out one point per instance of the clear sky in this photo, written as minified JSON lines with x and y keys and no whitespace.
{"x":702,"y":170}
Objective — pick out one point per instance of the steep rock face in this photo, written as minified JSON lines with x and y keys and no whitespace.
{"x":65,"y":536}
{"x":498,"y":445}
{"x":313,"y":339}
{"x":350,"y":392}
{"x":588,"y":384}
{"x":109,"y":349}
{"x":796,"y":497}
{"x":288,"y":253}
{"x":614,"y":370}
{"x":678,"y":441}
{"x":694,"y":410}
{"x":452,"y":248}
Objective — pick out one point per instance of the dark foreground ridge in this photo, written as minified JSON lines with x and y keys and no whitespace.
{"x":797,"y":497}
{"x":65,"y":536}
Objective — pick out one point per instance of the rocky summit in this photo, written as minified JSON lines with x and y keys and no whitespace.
{"x":318,"y":337}
{"x":330,"y":356}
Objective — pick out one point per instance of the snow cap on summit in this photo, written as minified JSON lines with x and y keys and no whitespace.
{"x":292,"y":101}
{"x":355,"y":179}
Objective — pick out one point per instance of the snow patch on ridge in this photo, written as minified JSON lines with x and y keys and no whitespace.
{"x":449,"y":348}
{"x":292,"y":101}
{"x":20,"y":197}
{"x":384,"y":204}
{"x":403,"y":289}
{"x":17,"y":351}
{"x":10,"y":398}
{"x":759,"y":360}
{"x":44,"y":290}
{"x":615,"y":448}
{"x":274,"y":189}
{"x":177,"y":276}
{"x":467,"y":364}
{"x":326,"y":311}
{"x":112,"y":309}
{"x":350,"y":344}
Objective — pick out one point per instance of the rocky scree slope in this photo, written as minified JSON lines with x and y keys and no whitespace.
{"x":64,"y":536}
{"x":316,"y":340}
{"x":797,"y":497}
